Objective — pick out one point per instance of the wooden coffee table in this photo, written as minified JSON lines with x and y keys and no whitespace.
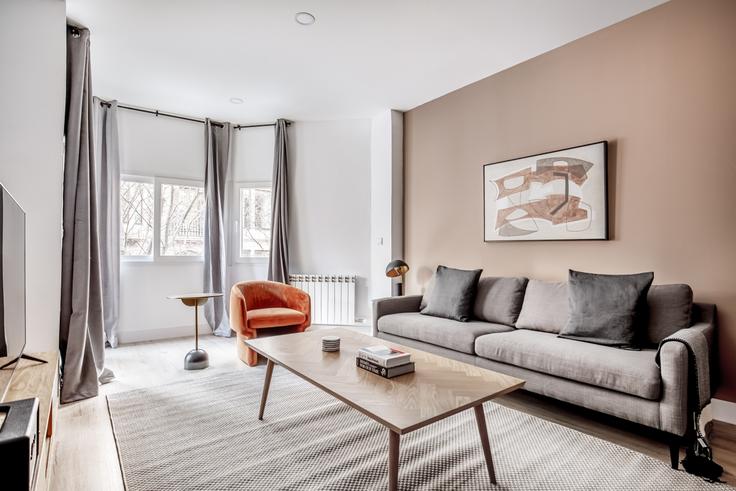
{"x":440,"y":387}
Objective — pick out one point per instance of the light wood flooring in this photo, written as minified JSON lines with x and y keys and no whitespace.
{"x":85,"y":457}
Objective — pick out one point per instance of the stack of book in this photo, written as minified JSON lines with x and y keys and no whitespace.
{"x":384,"y":361}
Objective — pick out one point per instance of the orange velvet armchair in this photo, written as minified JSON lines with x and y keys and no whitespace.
{"x":259,"y":308}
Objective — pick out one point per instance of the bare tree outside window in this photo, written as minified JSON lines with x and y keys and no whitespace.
{"x":182,"y":220}
{"x":255,"y":221}
{"x":136,"y":218}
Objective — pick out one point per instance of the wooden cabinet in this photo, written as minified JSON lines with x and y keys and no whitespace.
{"x":34,"y":379}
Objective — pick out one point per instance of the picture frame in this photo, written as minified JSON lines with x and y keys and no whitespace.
{"x":557,"y":195}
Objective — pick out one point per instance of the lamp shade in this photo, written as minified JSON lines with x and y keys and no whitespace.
{"x":396,"y":268}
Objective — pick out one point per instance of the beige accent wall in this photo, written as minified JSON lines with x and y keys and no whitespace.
{"x":661,"y":88}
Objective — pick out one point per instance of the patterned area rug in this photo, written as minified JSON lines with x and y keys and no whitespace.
{"x":204,"y":434}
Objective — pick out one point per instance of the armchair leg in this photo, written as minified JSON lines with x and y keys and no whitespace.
{"x":247,"y":355}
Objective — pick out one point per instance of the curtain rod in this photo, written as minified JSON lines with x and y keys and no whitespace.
{"x":187,"y":118}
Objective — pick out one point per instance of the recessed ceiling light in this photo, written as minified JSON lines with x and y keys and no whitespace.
{"x":236,"y":100}
{"x":304,"y":18}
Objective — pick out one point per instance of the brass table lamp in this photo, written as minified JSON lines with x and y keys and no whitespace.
{"x":395,"y":269}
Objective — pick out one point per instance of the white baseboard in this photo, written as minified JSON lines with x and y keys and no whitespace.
{"x":724,"y":411}
{"x":141,"y":335}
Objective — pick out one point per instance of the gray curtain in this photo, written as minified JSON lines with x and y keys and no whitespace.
{"x":278,"y":262}
{"x":107,"y":158}
{"x":217,"y":160}
{"x":81,"y":331}
{"x":3,"y":342}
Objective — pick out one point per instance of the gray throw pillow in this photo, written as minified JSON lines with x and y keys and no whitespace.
{"x":605,"y":309}
{"x":498,"y":300}
{"x":453,"y":293}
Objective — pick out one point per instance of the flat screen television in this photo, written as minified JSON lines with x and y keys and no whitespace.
{"x":12,"y":286}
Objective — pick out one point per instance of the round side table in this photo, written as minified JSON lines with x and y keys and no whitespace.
{"x":196,"y":359}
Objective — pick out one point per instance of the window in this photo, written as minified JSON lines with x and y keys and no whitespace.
{"x":136,"y":217}
{"x":161,"y":219}
{"x":254,"y":220}
{"x":182,"y":220}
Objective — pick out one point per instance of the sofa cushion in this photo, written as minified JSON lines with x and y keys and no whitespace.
{"x":274,"y":317}
{"x":545,"y":307}
{"x":606,"y":309}
{"x":499,"y":299}
{"x":453,"y":293}
{"x":627,"y":371}
{"x":458,"y":336}
{"x":669,"y":309}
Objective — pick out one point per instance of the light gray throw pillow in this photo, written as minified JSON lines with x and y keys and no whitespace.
{"x":545,"y":308}
{"x":453,"y":293}
{"x":499,"y":300}
{"x":605,"y":309}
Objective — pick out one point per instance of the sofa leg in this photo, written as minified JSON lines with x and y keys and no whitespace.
{"x":675,"y":453}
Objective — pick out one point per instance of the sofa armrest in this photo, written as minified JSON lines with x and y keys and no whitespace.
{"x":705,"y":321}
{"x":394,"y":305}
{"x":704,"y":316}
{"x":704,"y":312}
{"x":673,"y":359}
{"x":707,"y":329}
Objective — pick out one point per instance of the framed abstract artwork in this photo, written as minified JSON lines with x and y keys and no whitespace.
{"x":560,"y":195}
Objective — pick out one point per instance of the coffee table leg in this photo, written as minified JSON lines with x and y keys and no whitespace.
{"x":393,"y":460}
{"x":266,"y":385}
{"x":480,"y":418}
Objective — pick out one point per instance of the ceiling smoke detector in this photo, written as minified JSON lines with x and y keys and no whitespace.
{"x":304,"y":18}
{"x":236,"y":100}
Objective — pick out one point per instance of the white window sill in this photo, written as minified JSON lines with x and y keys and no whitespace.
{"x":136,"y":259}
{"x":162,"y":260}
{"x":251,"y":260}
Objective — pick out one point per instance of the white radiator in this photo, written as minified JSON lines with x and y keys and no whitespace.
{"x":333,"y":296}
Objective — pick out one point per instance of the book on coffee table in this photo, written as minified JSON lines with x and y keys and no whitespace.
{"x":384,"y":356}
{"x":383,"y":371}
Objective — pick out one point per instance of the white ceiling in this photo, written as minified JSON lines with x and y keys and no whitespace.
{"x":360,"y":57}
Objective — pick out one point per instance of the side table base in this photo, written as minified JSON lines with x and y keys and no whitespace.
{"x":196,"y":359}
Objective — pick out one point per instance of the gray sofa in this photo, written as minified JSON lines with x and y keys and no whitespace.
{"x":514,"y":331}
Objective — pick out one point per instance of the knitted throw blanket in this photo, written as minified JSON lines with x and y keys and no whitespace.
{"x":698,"y":385}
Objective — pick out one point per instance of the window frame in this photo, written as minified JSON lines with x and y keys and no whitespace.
{"x":235,"y":223}
{"x":156,"y":256}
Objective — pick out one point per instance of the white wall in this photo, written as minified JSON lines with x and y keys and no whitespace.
{"x":32,"y":93}
{"x":330,"y":209}
{"x":330,"y":216}
{"x":162,"y":147}
{"x":165,"y":147}
{"x":387,"y":197}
